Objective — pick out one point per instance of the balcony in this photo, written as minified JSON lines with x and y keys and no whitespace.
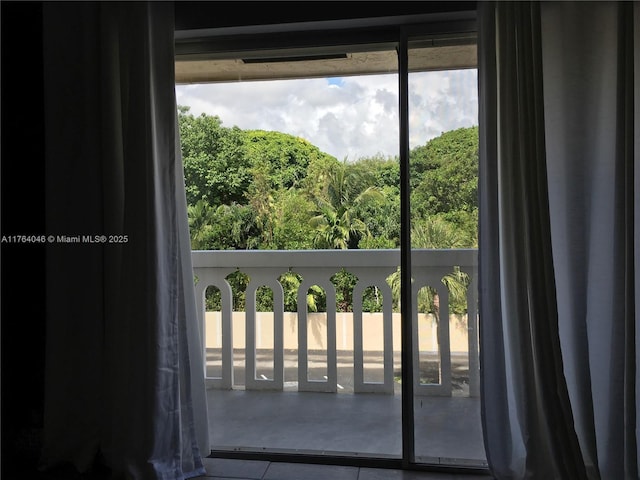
{"x":329,"y":382}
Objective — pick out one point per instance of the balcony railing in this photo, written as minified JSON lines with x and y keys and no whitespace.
{"x":316,"y":267}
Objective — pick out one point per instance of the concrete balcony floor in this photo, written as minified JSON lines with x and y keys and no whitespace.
{"x":227,"y":469}
{"x":447,"y":429}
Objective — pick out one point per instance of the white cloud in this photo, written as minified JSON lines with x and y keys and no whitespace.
{"x":348,"y":117}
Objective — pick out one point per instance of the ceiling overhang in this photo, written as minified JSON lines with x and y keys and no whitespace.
{"x":357,"y":63}
{"x":323,"y":49}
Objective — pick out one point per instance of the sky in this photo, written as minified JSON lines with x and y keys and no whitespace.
{"x":347,"y":117}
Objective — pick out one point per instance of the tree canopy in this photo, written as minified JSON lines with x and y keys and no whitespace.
{"x":270,"y":190}
{"x":444,"y":181}
{"x":255,"y":189}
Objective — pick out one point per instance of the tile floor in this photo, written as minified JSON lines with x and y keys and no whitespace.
{"x":231,"y":469}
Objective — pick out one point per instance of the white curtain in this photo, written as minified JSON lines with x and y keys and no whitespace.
{"x":124,"y":372}
{"x":560,"y":238}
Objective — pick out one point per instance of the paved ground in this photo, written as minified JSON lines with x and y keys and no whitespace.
{"x":429,"y":368}
{"x":447,"y":428}
{"x":222,"y":468}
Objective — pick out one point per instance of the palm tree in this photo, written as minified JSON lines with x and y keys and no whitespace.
{"x":336,"y":218}
{"x":335,"y":228}
{"x":434,"y":232}
{"x":201,"y":216}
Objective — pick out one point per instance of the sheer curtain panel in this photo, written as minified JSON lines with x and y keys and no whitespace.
{"x":124,"y":377}
{"x":559,"y":238}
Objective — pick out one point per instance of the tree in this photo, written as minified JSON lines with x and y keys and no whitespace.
{"x":381,"y":217}
{"x":215,"y":166}
{"x":201,"y":220}
{"x":270,"y":190}
{"x":436,"y":233}
{"x":336,"y":218}
{"x":286,"y":157}
{"x":292,"y":211}
{"x":233,"y":228}
{"x":444,"y":180}
{"x":260,"y":199}
{"x":279,"y":165}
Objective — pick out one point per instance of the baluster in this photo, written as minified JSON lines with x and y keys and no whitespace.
{"x":472,"y":325}
{"x":264,"y":277}
{"x":372,"y":277}
{"x":216,"y":277}
{"x":432,"y":277}
{"x":320,"y":277}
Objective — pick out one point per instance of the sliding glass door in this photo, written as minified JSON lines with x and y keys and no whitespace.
{"x":440,"y":226}
{"x":333,"y":217}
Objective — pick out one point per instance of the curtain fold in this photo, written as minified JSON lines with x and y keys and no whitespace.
{"x":525,"y":403}
{"x":558,"y":238}
{"x":124,"y":378}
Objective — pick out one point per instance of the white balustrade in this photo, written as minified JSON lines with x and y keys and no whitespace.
{"x":316,"y":267}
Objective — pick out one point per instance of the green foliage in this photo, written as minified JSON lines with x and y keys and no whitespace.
{"x":226,"y":227}
{"x":436,"y":232}
{"x":233,"y":227}
{"x":286,"y":157}
{"x":238,"y":282}
{"x":201,"y":217}
{"x":372,"y":300}
{"x":315,"y":181}
{"x":444,"y":180}
{"x":316,"y":299}
{"x":344,"y":282}
{"x":337,"y":220}
{"x":381,"y":217}
{"x":291,"y":216}
{"x":212,"y":299}
{"x":214,"y":165}
{"x":383,"y":220}
{"x":269,"y":190}
{"x":382,"y":172}
{"x":290,"y":281}
{"x":261,"y":200}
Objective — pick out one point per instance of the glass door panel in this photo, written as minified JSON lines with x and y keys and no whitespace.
{"x":301,"y":177}
{"x":443,"y":162}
